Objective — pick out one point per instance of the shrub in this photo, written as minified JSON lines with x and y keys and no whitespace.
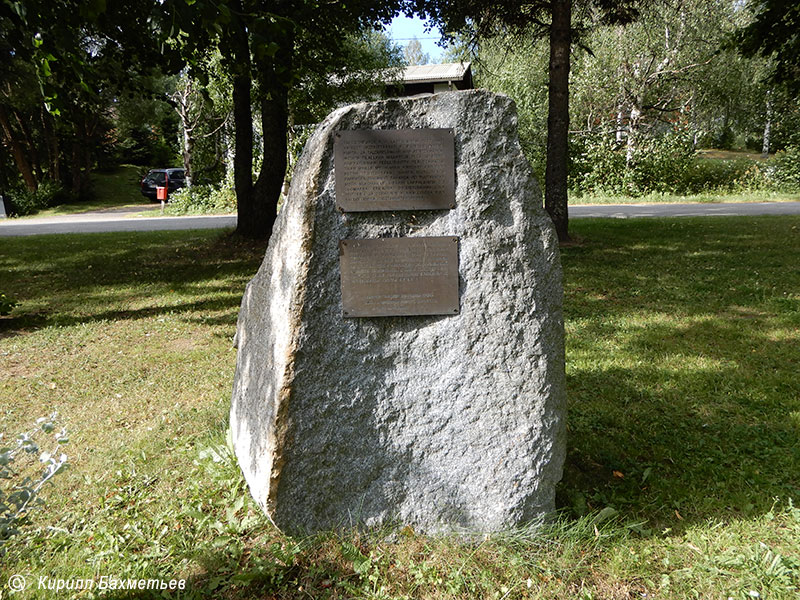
{"x":24,"y":202}
{"x":202,"y":199}
{"x":23,"y":472}
{"x":6,"y":305}
{"x":597,"y":164}
{"x":659,"y":164}
{"x":708,"y":175}
{"x":668,"y":164}
{"x":787,"y":168}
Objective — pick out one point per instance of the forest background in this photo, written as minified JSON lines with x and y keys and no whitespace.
{"x":652,"y":102}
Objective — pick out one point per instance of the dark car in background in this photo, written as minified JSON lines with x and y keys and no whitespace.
{"x":172,"y":179}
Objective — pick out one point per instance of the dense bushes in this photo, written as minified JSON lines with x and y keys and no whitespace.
{"x":202,"y":199}
{"x":669,"y":164}
{"x":600,"y":164}
{"x":787,"y":168}
{"x":21,"y":201}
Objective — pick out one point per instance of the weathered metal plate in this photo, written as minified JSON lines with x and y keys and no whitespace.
{"x":394,"y":169}
{"x":399,"y":276}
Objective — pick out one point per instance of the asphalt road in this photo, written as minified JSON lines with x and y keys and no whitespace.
{"x":121,"y":219}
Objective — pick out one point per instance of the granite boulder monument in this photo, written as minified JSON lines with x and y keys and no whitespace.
{"x":401,"y":348}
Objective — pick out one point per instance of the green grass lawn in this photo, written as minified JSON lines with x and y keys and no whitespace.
{"x":111,"y":188}
{"x":683,"y":354}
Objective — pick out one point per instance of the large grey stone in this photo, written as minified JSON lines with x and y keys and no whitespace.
{"x":441,"y":422}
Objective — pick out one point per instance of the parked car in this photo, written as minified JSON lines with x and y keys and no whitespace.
{"x":172,"y":179}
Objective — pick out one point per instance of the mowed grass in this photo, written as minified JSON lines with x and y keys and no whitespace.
{"x":683,"y":355}
{"x":110,"y":188}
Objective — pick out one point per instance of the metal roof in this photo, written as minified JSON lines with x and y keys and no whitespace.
{"x":442,"y":72}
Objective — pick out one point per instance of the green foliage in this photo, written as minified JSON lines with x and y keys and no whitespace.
{"x":597,"y":164}
{"x":669,"y":165}
{"x":521,"y":75}
{"x":145,"y":127}
{"x":144,"y":121}
{"x":141,"y":145}
{"x":642,"y":83}
{"x":413,"y":53}
{"x":24,"y":470}
{"x":773,"y":32}
{"x":7,"y":305}
{"x":665,"y":164}
{"x":71,"y":69}
{"x":364,"y":58}
{"x":731,"y":175}
{"x":787,"y":168}
{"x":202,"y":199}
{"x":660,"y":164}
{"x":23,"y":202}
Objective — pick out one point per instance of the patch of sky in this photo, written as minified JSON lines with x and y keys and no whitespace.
{"x":403,"y":29}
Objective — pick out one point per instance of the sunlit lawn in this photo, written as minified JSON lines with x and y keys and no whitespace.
{"x":683,"y":355}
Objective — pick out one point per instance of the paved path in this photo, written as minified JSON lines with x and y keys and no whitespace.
{"x":114,"y":219}
{"x":627,"y":211}
{"x":120,"y":219}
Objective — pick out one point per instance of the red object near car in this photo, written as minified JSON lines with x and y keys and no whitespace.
{"x":169,"y":179}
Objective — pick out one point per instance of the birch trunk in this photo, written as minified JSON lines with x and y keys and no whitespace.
{"x":767,"y":125}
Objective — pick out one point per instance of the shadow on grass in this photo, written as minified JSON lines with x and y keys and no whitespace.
{"x":682,"y":364}
{"x":110,"y":277}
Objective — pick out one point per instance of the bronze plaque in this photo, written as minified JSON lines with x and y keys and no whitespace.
{"x":394,"y":169}
{"x":399,"y":276}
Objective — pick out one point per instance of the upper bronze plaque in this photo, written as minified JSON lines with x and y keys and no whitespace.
{"x":394,"y":169}
{"x":399,"y":276}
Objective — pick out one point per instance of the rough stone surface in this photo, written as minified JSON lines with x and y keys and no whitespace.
{"x":445,"y":423}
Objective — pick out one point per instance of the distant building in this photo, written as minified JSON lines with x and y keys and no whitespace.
{"x":430,"y":79}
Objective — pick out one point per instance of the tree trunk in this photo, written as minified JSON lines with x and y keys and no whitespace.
{"x":243,"y":153}
{"x":183,"y":106}
{"x":31,"y":145}
{"x":188,"y":150}
{"x":274,"y":125}
{"x":17,"y":151}
{"x":53,"y":152}
{"x":767,"y":126}
{"x":274,"y":104}
{"x":620,"y":134}
{"x":241,"y":69}
{"x":633,"y":130}
{"x":81,"y":155}
{"x":555,"y":198}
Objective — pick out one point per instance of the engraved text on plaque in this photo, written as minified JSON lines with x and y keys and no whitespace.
{"x":399,"y":276}
{"x":394,"y":169}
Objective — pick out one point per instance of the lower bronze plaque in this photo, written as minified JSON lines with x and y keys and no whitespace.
{"x":399,"y":276}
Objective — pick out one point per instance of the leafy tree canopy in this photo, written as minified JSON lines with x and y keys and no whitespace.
{"x":775,"y":30}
